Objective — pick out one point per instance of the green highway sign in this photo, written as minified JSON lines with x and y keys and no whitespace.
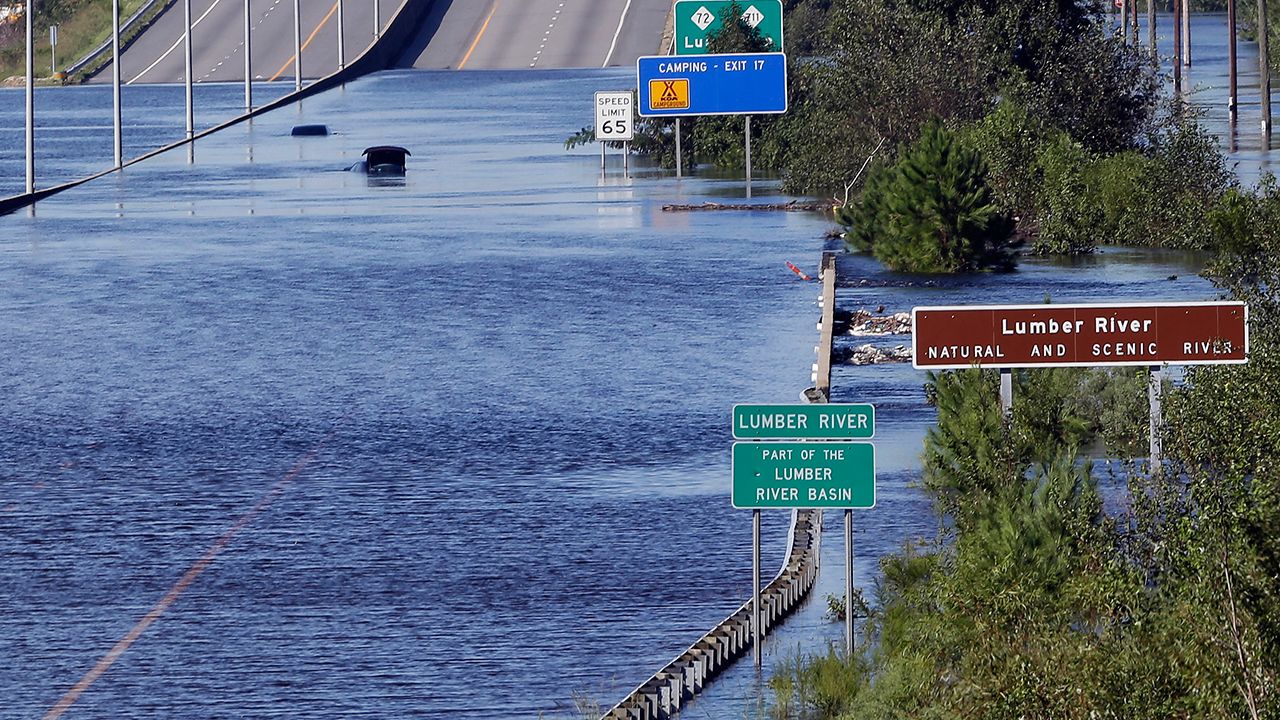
{"x":804,"y":475}
{"x":696,"y":20}
{"x":836,"y":421}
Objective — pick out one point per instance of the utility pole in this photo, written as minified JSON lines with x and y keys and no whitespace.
{"x":1264,"y":67}
{"x":1124,"y":21}
{"x":1151,"y":26}
{"x":1177,"y":49}
{"x":1133,"y":10}
{"x":1232,"y":103}
{"x":1186,"y":33}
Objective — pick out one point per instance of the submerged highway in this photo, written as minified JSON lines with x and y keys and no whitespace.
{"x":455,"y":34}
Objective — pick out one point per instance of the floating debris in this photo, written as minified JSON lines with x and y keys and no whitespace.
{"x":871,"y":355}
{"x":864,"y":323}
{"x":793,"y":206}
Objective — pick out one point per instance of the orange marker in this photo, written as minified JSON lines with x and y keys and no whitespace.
{"x":798,"y":271}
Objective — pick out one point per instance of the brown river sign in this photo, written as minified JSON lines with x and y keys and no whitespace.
{"x":1019,"y":336}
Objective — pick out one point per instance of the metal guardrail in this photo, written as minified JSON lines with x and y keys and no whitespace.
{"x":125,"y":29}
{"x":665,"y":692}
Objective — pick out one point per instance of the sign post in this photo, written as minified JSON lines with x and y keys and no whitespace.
{"x":728,"y":84}
{"x":1089,"y":335}
{"x":819,"y":468}
{"x":53,"y":49}
{"x":614,"y":122}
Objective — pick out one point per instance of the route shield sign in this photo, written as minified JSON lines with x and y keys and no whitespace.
{"x":804,"y":475}
{"x":828,"y":421}
{"x":696,"y":20}
{"x":730,"y":84}
{"x":614,"y":116}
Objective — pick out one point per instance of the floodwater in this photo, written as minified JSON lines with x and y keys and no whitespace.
{"x":1205,"y":84}
{"x":73,"y":136}
{"x":297,"y":442}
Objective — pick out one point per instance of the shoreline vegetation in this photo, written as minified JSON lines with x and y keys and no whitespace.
{"x":1006,"y":128}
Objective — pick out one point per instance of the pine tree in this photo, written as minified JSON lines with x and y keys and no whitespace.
{"x":934,"y":211}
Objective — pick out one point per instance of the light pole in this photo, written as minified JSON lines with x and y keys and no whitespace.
{"x":117,"y":115}
{"x":31,"y":99}
{"x":248,"y":58}
{"x":297,"y":47}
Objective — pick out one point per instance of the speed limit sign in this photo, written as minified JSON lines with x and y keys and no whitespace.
{"x":613,"y":116}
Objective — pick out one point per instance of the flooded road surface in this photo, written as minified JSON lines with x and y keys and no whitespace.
{"x":1250,"y":152}
{"x":457,"y":446}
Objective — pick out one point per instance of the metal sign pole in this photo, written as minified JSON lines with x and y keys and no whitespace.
{"x":755,"y":585}
{"x":248,"y":57}
{"x":53,"y":49}
{"x":1006,"y":391}
{"x":679,"y":158}
{"x":748,"y":134}
{"x":297,"y":47}
{"x":31,"y":99}
{"x":342,"y":48}
{"x":117,"y":114}
{"x":377,"y":19}
{"x":602,"y":158}
{"x":1154,"y":392}
{"x":848,"y":582}
{"x":186,"y":36}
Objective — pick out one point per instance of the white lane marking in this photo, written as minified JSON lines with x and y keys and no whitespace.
{"x":613,"y":45}
{"x":546,"y":35}
{"x":174,"y":46}
{"x":240,"y":45}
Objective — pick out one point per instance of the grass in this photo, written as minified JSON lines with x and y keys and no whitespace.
{"x":87,"y":27}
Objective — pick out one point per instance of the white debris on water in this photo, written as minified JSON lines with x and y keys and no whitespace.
{"x":864,"y":323}
{"x":872,"y":355}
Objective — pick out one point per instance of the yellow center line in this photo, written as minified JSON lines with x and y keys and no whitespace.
{"x":479,"y":35}
{"x":310,"y":37}
{"x":178,"y":588}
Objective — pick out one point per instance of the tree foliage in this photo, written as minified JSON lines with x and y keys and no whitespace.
{"x":933,"y":211}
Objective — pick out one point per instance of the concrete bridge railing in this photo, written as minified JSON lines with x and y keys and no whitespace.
{"x":663,"y":694}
